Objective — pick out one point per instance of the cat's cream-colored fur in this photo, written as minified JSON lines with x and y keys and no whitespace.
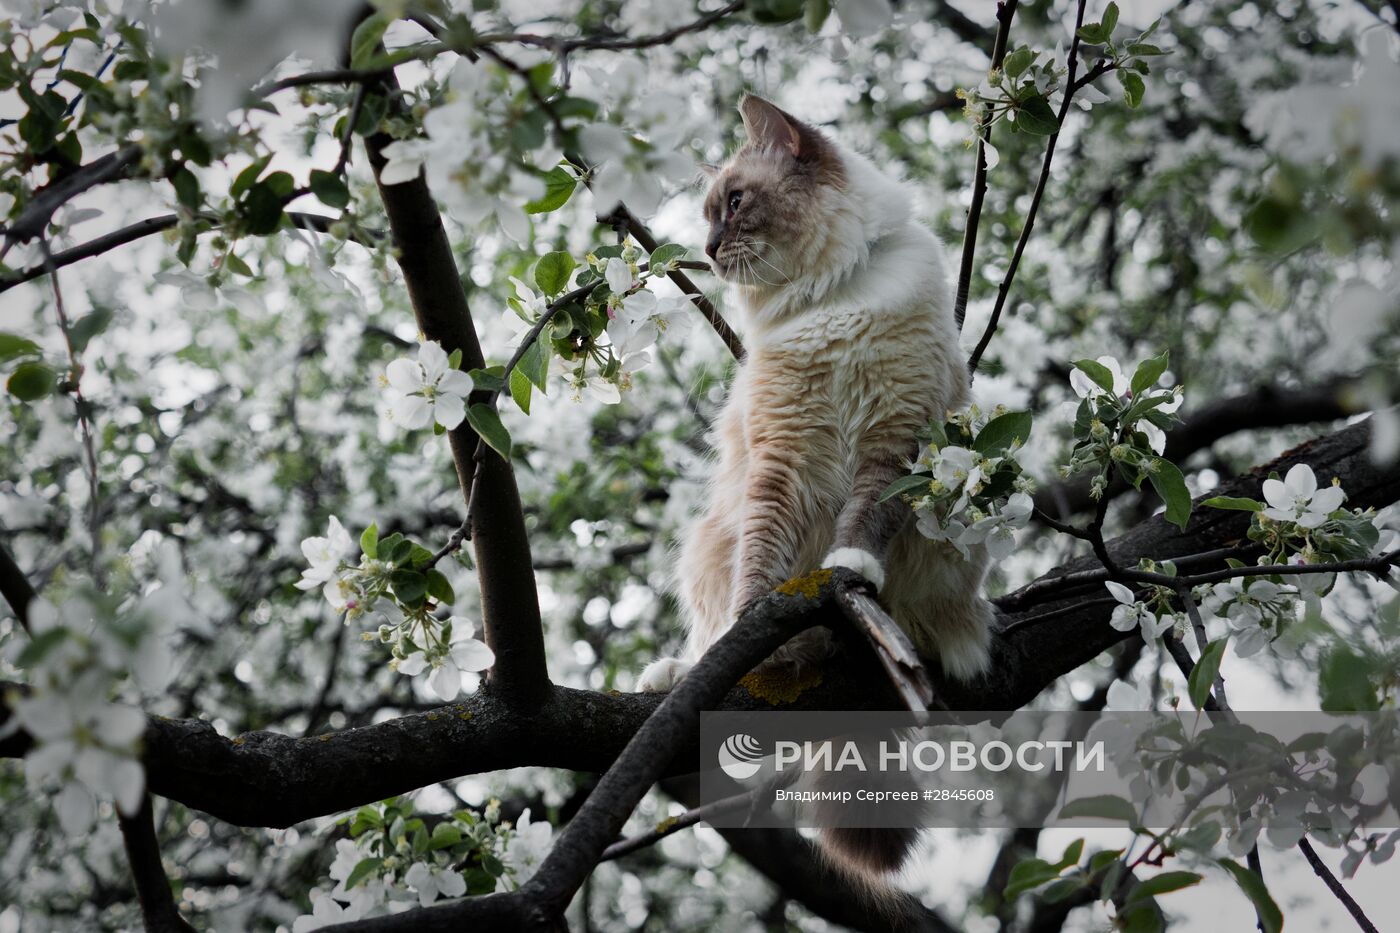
{"x":851,"y":350}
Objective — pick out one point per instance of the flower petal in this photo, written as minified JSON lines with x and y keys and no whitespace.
{"x":472,"y":655}
{"x":411,"y":412}
{"x":404,"y":375}
{"x":1301,"y":480}
{"x":449,"y":410}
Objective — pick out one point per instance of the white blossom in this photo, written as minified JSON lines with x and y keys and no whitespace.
{"x":428,"y":389}
{"x":325,"y":912}
{"x":432,"y":882}
{"x":324,"y":554}
{"x":528,"y":846}
{"x":1296,"y":498}
{"x":1130,"y":614}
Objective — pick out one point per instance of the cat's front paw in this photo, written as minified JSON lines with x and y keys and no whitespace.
{"x":661,"y":675}
{"x":861,"y":561}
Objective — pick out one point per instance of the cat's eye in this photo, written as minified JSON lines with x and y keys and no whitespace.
{"x":734,"y":198}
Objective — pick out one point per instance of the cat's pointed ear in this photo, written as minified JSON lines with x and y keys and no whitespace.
{"x":770,"y":128}
{"x":709,"y":172}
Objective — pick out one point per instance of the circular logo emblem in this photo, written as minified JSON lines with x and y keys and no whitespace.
{"x":740,"y":756}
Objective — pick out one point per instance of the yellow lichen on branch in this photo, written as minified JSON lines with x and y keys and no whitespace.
{"x":777,"y":685}
{"x":808,"y":585}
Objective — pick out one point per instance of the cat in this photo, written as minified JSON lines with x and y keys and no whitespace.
{"x":852,"y":348}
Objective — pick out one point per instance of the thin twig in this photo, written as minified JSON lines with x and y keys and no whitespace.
{"x":1004,"y":289}
{"x":675,"y":824}
{"x":153,"y":225}
{"x":1335,"y":886}
{"x":1005,"y":12}
{"x":347,"y":138}
{"x":75,"y":375}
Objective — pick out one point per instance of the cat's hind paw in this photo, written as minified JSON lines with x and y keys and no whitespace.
{"x":661,"y":675}
{"x":861,"y":561}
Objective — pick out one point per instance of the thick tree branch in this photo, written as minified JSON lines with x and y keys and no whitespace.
{"x":15,"y":587}
{"x":268,"y":779}
{"x":509,"y":600}
{"x":761,"y":630}
{"x":158,"y":908}
{"x":37,"y":213}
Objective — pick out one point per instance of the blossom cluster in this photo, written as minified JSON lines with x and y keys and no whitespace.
{"x":1298,"y":523}
{"x":394,"y":857}
{"x":966,"y":486}
{"x":78,"y":657}
{"x":1120,"y":427}
{"x":618,"y":305}
{"x":395,"y":581}
{"x":1027,"y":91}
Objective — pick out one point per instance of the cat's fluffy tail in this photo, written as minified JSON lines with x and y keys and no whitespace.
{"x":867,"y":855}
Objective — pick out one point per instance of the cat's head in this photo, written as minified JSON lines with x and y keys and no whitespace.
{"x":762,"y":204}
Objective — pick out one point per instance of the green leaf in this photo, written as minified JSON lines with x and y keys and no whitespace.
{"x":1133,"y":87}
{"x":439,"y":588}
{"x":40,"y":645}
{"x":1002,"y":431}
{"x":1142,"y":917}
{"x":1164,"y":883}
{"x":490,"y":379}
{"x":362,"y":870}
{"x":520,"y":389}
{"x":330,"y":188}
{"x":445,"y":836}
{"x":32,"y":381}
{"x":664,"y":255}
{"x":552,"y":272}
{"x":1093,"y":33}
{"x":262,"y":209}
{"x":1203,"y":674}
{"x":410,"y":586}
{"x":234,"y":264}
{"x":1200,"y":838}
{"x":559,"y":184}
{"x":486,"y":422}
{"x":1235,"y":503}
{"x":1144,"y":48}
{"x":87,"y":327}
{"x":366,"y":38}
{"x":1035,"y":116}
{"x":1098,"y":372}
{"x":1071,"y":855}
{"x":1279,"y":225}
{"x":1029,"y":874}
{"x":1017,"y":61}
{"x":1270,"y":917}
{"x":13,"y":345}
{"x":1103,"y":806}
{"x":1171,"y":486}
{"x":1149,"y":371}
{"x":815,"y":14}
{"x":1345,"y":682}
{"x":245,"y":178}
{"x":904,"y":485}
{"x":1061,"y":889}
{"x":369,"y":541}
{"x":534,"y":363}
{"x":1110,"y":18}
{"x":187,"y":188}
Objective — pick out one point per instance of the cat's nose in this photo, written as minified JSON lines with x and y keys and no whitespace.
{"x":712,"y":247}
